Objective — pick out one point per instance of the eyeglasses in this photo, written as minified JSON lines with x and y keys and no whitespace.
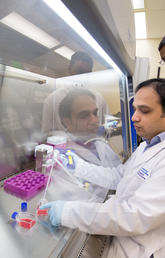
{"x":86,"y":114}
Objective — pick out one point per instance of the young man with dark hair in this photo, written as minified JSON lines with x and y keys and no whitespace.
{"x":80,"y":63}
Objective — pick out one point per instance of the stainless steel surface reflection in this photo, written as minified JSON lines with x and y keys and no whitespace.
{"x":39,"y":241}
{"x":43,"y":240}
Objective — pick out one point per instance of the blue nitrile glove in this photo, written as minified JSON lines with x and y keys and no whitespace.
{"x":47,"y":225}
{"x":55,"y":211}
{"x":69,"y":156}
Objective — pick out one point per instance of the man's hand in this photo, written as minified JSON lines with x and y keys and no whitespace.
{"x":55,"y":211}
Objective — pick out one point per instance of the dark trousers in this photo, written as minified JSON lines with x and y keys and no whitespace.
{"x":152,"y":256}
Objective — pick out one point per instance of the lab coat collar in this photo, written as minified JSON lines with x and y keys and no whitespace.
{"x":142,"y":156}
{"x":156,"y":139}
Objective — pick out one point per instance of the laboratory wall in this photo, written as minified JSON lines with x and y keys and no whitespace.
{"x":149,"y":48}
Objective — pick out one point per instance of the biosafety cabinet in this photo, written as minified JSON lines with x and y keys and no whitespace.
{"x":38,"y":38}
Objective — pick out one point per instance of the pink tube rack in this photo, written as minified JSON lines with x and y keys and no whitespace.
{"x":25,"y":185}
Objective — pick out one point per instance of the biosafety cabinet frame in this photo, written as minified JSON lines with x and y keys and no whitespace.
{"x":30,"y":71}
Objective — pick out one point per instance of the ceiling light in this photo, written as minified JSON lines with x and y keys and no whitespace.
{"x":23,"y":26}
{"x":64,"y":51}
{"x":140,"y":25}
{"x":61,"y":10}
{"x":138,"y":4}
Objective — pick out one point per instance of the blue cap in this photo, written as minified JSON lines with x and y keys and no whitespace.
{"x":13,"y":216}
{"x":101,"y":130}
{"x":24,"y":206}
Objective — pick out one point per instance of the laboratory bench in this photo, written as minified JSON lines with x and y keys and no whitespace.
{"x":44,"y":240}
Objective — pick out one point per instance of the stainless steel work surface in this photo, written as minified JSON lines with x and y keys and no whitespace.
{"x":42,"y":240}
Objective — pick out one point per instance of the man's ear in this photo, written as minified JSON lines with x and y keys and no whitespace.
{"x":163,"y":113}
{"x":66,"y":122}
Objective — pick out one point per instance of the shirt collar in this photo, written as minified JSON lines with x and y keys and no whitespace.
{"x":156,"y":139}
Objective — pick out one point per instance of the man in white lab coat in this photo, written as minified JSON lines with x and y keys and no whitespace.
{"x":135,"y":216}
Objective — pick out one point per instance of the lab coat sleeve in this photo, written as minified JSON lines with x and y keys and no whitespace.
{"x":104,"y":177}
{"x":113,"y":158}
{"x":140,"y":213}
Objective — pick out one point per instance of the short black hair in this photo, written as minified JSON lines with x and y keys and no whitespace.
{"x":161,"y":44}
{"x":81,"y":56}
{"x":158,"y":84}
{"x":65,"y":107}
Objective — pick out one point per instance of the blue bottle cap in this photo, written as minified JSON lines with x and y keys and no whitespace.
{"x":14,"y":214}
{"x":24,"y":206}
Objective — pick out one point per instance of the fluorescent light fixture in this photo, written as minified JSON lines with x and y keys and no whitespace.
{"x":140,"y":25}
{"x":23,"y":26}
{"x":64,"y":51}
{"x":138,"y":4}
{"x":63,"y":12}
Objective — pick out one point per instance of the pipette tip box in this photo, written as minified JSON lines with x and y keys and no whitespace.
{"x":26,"y":185}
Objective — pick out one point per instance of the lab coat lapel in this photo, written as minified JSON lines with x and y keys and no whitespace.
{"x":100,"y":151}
{"x":143,"y":156}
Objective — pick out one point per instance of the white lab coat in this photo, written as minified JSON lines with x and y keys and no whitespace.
{"x":135,"y":216}
{"x":106,"y":156}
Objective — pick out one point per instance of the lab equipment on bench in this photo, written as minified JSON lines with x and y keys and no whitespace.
{"x":25,"y":219}
{"x":107,"y":128}
{"x":56,"y":158}
{"x":14,"y":214}
{"x":57,"y":141}
{"x":43,"y":158}
{"x":23,"y":209}
{"x":26,"y":185}
{"x":43,"y":199}
{"x":23,"y":206}
{"x":42,"y":212}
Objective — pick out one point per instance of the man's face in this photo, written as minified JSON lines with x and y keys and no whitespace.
{"x":80,"y":67}
{"x":84,"y":117}
{"x":148,"y":118}
{"x":162,"y":53}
